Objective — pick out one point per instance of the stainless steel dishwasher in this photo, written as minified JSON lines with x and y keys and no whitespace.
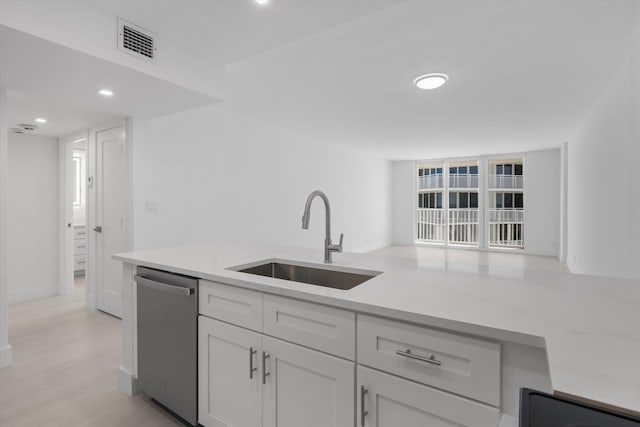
{"x":168,"y":340}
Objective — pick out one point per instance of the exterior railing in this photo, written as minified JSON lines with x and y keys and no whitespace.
{"x":463,"y":181}
{"x":506,"y":181}
{"x":506,"y":216}
{"x":463,"y":226}
{"x":430,"y":181}
{"x":506,"y":228}
{"x":431,"y":223}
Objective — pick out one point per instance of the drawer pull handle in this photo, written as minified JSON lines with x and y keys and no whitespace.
{"x":431,"y":360}
{"x":363,"y":411}
{"x":251,"y":368}
{"x":265,"y":374}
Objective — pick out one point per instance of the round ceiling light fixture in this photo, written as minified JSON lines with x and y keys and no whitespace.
{"x":105,"y":92}
{"x":41,"y":120}
{"x":262,"y":2}
{"x":430,"y":81}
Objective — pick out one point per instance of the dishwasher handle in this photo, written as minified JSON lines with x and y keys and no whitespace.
{"x":163,"y":287}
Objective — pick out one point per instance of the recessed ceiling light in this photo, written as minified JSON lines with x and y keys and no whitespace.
{"x":431,"y":81}
{"x":262,"y":2}
{"x":105,"y":92}
{"x":41,"y":120}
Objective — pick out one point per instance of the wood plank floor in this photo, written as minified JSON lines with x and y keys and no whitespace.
{"x":64,"y":370}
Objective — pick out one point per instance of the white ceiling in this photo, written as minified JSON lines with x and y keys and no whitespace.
{"x":60,"y":83}
{"x":523,"y":73}
{"x":236,"y":29}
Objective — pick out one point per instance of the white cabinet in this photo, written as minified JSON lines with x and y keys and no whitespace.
{"x":388,"y":401}
{"x":458,"y":363}
{"x":246,"y":379}
{"x":79,"y":248}
{"x":306,"y":388}
{"x":229,"y":382}
{"x":271,"y":361}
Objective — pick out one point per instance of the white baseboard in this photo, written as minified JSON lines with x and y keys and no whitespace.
{"x":32,"y":293}
{"x":127,"y":383}
{"x":6,"y":356}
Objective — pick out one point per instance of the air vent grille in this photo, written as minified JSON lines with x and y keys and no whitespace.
{"x":136,"y":41}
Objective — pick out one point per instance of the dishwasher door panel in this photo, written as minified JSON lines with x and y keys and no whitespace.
{"x":168,"y":339}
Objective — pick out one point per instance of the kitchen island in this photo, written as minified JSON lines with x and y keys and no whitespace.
{"x":585,"y":327}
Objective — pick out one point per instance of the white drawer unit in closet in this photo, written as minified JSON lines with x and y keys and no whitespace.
{"x":454,"y":362}
{"x":317,"y":326}
{"x":79,"y":247}
{"x":242,"y":307}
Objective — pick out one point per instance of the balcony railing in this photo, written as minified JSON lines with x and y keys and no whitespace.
{"x":506,"y":228}
{"x":505,"y":181}
{"x":507,"y":215}
{"x":431,"y":223}
{"x":430,"y":181}
{"x":463,"y":225}
{"x":463,"y":181}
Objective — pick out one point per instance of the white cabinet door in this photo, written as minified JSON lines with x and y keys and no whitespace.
{"x":388,"y":401}
{"x":229,"y":391}
{"x":306,"y":388}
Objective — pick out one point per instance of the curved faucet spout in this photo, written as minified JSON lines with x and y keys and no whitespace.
{"x":306,"y":216}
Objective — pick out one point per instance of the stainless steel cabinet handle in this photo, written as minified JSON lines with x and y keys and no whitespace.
{"x":251,"y":368}
{"x":431,"y":360}
{"x":177,"y":290}
{"x":265,"y":374}
{"x":363,"y":412}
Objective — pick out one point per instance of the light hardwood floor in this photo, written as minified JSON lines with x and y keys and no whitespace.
{"x":64,"y":370}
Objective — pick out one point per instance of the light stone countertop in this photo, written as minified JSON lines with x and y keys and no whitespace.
{"x":589,"y":325}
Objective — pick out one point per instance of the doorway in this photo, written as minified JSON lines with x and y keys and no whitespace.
{"x":96,"y":211}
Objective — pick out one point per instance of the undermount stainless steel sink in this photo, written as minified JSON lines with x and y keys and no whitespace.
{"x":334,"y":277}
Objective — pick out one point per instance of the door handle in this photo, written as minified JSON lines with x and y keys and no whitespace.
{"x":97,"y":229}
{"x":163,"y":287}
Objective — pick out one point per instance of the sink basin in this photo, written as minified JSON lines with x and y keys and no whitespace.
{"x":313,"y":274}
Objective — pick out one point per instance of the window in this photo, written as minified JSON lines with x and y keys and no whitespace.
{"x":505,"y":219}
{"x":456,"y":207}
{"x":453,"y":220}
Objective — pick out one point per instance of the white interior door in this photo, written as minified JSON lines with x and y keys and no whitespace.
{"x":66,"y":212}
{"x":111,"y":214}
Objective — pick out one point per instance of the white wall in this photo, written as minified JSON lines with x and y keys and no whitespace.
{"x":32,"y":217}
{"x":404,"y":201}
{"x":542,"y":201}
{"x":217,"y":176}
{"x":604,"y":198}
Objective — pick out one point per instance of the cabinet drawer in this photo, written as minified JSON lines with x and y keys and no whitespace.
{"x":231,"y":304}
{"x":393,"y":401}
{"x":464,"y":365}
{"x":80,"y":246}
{"x":323,"y":328}
{"x":79,"y":233}
{"x":79,"y":264}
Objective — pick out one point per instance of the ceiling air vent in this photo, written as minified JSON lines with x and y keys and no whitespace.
{"x":136,"y":41}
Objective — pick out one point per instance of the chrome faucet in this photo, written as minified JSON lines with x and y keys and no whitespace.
{"x":328,"y":247}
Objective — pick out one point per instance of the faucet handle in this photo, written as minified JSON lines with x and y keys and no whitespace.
{"x":340,"y":244}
